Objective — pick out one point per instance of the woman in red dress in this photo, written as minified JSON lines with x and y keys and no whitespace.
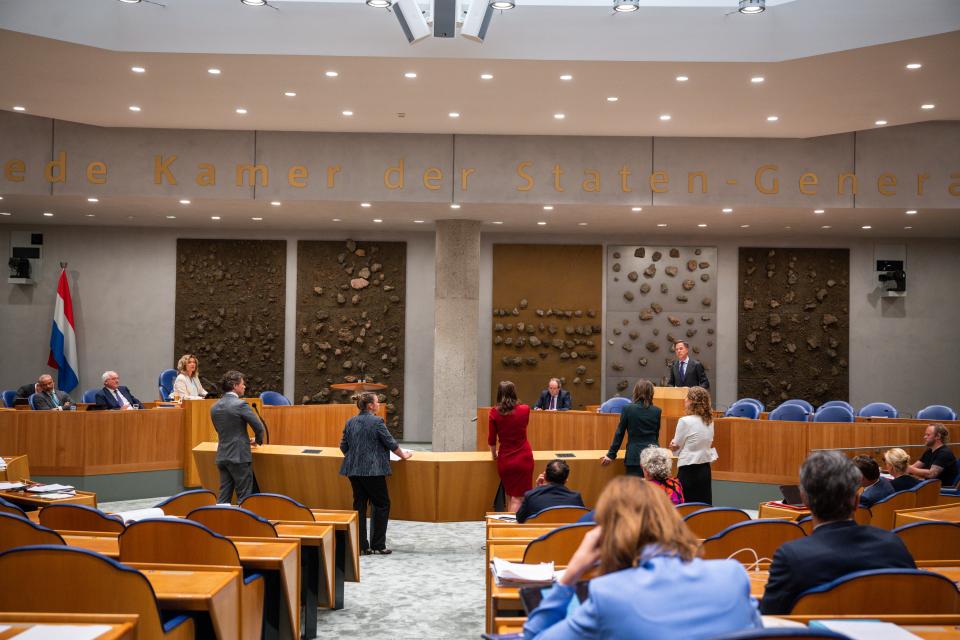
{"x":508,"y":422}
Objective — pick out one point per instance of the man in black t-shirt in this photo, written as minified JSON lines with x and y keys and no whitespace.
{"x":938,"y":460}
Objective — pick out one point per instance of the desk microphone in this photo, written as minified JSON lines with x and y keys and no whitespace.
{"x":266,"y":431}
{"x":210,"y":394}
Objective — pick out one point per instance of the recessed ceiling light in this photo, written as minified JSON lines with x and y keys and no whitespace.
{"x":365,"y":205}
{"x":914,"y":65}
{"x":138,"y":69}
{"x":581,"y":224}
{"x":727,"y":210}
{"x":757,"y":79}
{"x":612,"y":98}
{"x":826,"y":226}
{"x":48,"y":214}
{"x":548,"y":207}
{"x":772,"y":118}
{"x":866,"y":226}
{"x":171,"y":217}
{"x":331,"y":74}
{"x":276,"y":203}
{"x":542,"y":223}
{"x":454,"y":206}
{"x":5,"y":213}
{"x":91,"y":215}
{"x":486,"y":76}
{"x":410,"y":74}
{"x":559,"y":116}
{"x":454,"y":114}
{"x":662,"y":224}
{"x":93,"y":199}
{"x":130,"y":1}
{"x":927,"y":106}
{"x":213,"y":71}
{"x":377,"y":220}
{"x":134,"y":107}
{"x":347,"y":113}
{"x":682,"y":78}
{"x":214,"y":217}
{"x":380,"y":4}
{"x":818,"y":211}
{"x":880,"y":123}
{"x":418,"y":221}
{"x":336,"y":220}
{"x":242,"y":111}
{"x":744,"y":226}
{"x":257,"y":219}
{"x":290,"y":94}
{"x":911,"y":212}
{"x":566,"y":77}
{"x":665,"y":117}
{"x":254,"y":3}
{"x":908,"y":227}
{"x":1,"y":197}
{"x":636,"y":209}
{"x":184,"y":202}
{"x":702,"y":224}
{"x":497,"y":222}
{"x":19,"y":108}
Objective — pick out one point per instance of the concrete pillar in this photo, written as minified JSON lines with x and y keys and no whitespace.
{"x":456,"y":308}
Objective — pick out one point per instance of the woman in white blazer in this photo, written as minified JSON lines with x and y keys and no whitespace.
{"x":187,"y":385}
{"x":693,"y":443}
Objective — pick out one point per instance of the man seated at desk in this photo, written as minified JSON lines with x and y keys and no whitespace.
{"x":554,"y":398}
{"x":551,"y":491}
{"x":49,"y":398}
{"x":115,"y":396}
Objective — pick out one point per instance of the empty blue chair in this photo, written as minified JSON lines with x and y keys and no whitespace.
{"x":878,"y":410}
{"x":32,"y":400}
{"x":614,"y":405}
{"x":165,"y":382}
{"x":90,"y":396}
{"x":743,"y":410}
{"x":937,"y":412}
{"x":274,"y":399}
{"x":803,"y":403}
{"x":8,"y":396}
{"x":838,"y":403}
{"x":833,"y":414}
{"x":793,"y":412}
{"x":760,"y":406}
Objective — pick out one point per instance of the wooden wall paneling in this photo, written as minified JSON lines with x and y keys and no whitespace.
{"x":10,"y":432}
{"x":312,"y":424}
{"x":55,"y":440}
{"x":558,"y":287}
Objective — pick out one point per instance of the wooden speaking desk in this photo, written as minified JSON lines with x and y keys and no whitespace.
{"x":430,"y":487}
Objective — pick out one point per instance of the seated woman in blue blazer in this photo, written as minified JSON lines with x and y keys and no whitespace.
{"x":651,"y":585}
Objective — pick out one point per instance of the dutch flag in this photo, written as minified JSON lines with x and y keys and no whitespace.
{"x":63,"y":338}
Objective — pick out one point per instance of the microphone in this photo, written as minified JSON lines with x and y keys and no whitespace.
{"x":210,"y":394}
{"x":266,"y":431}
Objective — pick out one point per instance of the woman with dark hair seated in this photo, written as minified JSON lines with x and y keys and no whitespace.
{"x":651,"y":584}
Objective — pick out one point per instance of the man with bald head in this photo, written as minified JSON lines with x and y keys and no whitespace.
{"x":48,"y":398}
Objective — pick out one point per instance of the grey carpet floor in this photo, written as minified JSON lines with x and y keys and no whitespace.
{"x":432,"y":586}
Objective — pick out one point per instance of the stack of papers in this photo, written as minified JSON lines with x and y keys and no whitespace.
{"x":140,"y":514}
{"x":4,"y":486}
{"x":517,"y":574}
{"x":50,"y":488}
{"x":394,"y":457}
{"x":503,"y":517}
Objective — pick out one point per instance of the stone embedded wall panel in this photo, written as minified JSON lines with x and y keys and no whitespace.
{"x":230,"y":302}
{"x":794,"y":325}
{"x":351,"y":300}
{"x":655,"y":296}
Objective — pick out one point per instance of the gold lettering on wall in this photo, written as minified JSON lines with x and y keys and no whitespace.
{"x":758,"y":180}
{"x":808,"y":183}
{"x":591,"y":183}
{"x":694,"y":175}
{"x":921,"y":178}
{"x":557,"y":172}
{"x":885,"y":182}
{"x":13,"y":170}
{"x":954,"y":187}
{"x":625,"y":179}
{"x":97,"y":173}
{"x":332,"y":172}
{"x":161,"y":169}
{"x":431,"y":178}
{"x":846,"y":178}
{"x":207,"y":176}
{"x":251,"y":174}
{"x":297,"y":176}
{"x":464,"y":177}
{"x":522,"y":172}
{"x":393,"y":176}
{"x":56,"y":170}
{"x":660,"y":182}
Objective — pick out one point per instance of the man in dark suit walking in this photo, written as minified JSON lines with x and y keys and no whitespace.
{"x":838,"y":545}
{"x":554,"y":398}
{"x":230,"y":416}
{"x":115,"y":396}
{"x":686,"y":372}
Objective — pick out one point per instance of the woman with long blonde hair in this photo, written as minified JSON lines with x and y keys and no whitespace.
{"x":650,"y":583}
{"x":693,"y":444}
{"x":187,"y":385}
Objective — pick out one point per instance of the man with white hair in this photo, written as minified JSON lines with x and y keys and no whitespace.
{"x":114,"y":395}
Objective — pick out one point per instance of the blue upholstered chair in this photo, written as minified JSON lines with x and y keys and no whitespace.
{"x":937,"y":412}
{"x":274,"y":399}
{"x":838,"y":403}
{"x":186,"y":501}
{"x":742,"y":410}
{"x":12,"y":509}
{"x":880,"y":591}
{"x":614,"y":405}
{"x":90,"y":396}
{"x":32,"y":400}
{"x":792,"y":412}
{"x":878,"y":410}
{"x":165,"y":382}
{"x":760,"y":406}
{"x":800,"y":402}
{"x":8,"y":396}
{"x":833,"y":414}
{"x":797,"y":633}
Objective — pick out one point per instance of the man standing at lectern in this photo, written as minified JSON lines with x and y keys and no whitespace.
{"x":230,"y":416}
{"x":686,"y":372}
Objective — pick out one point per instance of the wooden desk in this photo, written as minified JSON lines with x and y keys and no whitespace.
{"x":501,"y":598}
{"x":215,"y":591}
{"x":768,"y":510}
{"x":18,"y":468}
{"x":322,"y":571}
{"x":944,"y":513}
{"x":29,"y":500}
{"x":18,"y":623}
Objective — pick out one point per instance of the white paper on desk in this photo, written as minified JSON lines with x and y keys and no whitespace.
{"x":394,"y":457}
{"x":520,"y":572}
{"x":64,"y":632}
{"x":773,"y":622}
{"x":503,"y":517}
{"x":140,"y":514}
{"x":57,"y":495}
{"x":47,"y":488}
{"x":868,"y":630}
{"x":3,"y":627}
{"x":10,"y":485}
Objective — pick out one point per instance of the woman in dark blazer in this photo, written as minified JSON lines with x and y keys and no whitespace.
{"x":641,"y":421}
{"x":366,"y":445}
